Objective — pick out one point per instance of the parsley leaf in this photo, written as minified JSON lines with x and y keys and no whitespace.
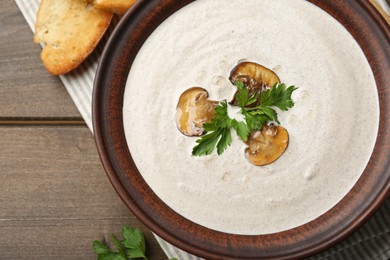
{"x":219,"y":129}
{"x":255,"y":120}
{"x":207,"y":143}
{"x":134,"y":242}
{"x":132,"y":246}
{"x":278,"y":96}
{"x":104,"y":253}
{"x":225,"y":141}
{"x":242,"y":129}
{"x":220,"y":134}
{"x":243,"y":98}
{"x":100,"y":248}
{"x":221,"y":118}
{"x":119,"y":246}
{"x":111,"y":256}
{"x":269,"y":112}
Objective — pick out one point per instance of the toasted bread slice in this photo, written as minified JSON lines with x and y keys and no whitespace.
{"x":117,"y":6}
{"x":69,"y":30}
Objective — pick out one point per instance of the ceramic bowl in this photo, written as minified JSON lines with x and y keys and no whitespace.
{"x":372,"y":34}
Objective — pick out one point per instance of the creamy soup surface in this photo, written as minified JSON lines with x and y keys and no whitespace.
{"x":332,"y":127}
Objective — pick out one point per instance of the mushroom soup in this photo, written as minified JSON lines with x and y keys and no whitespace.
{"x":331,"y":130}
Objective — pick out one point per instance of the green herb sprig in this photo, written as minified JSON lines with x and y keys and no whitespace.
{"x":219,"y":129}
{"x":131,"y":247}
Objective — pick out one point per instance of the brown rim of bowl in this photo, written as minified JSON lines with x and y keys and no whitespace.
{"x":372,"y":33}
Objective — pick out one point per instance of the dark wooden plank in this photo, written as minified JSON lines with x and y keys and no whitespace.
{"x":55,"y":198}
{"x":26,"y":89}
{"x":40,"y":121}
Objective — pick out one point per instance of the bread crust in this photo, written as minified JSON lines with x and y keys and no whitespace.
{"x":117,"y":6}
{"x":69,"y":31}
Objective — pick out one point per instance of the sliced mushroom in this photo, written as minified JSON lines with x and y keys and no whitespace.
{"x":193,"y":110}
{"x":267,"y":145}
{"x":254,"y":76}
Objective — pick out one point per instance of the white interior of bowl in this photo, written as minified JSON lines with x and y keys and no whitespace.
{"x":332,"y":127}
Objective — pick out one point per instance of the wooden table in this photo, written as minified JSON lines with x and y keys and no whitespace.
{"x":55,"y":197}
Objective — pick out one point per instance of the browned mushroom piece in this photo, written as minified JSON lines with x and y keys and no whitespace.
{"x":254,"y":76}
{"x":267,"y":145}
{"x":193,"y":110}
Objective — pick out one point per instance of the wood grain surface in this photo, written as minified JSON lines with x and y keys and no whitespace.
{"x":26,"y":89}
{"x":55,"y":198}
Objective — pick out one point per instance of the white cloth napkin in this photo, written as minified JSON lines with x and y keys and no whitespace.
{"x":372,"y":241}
